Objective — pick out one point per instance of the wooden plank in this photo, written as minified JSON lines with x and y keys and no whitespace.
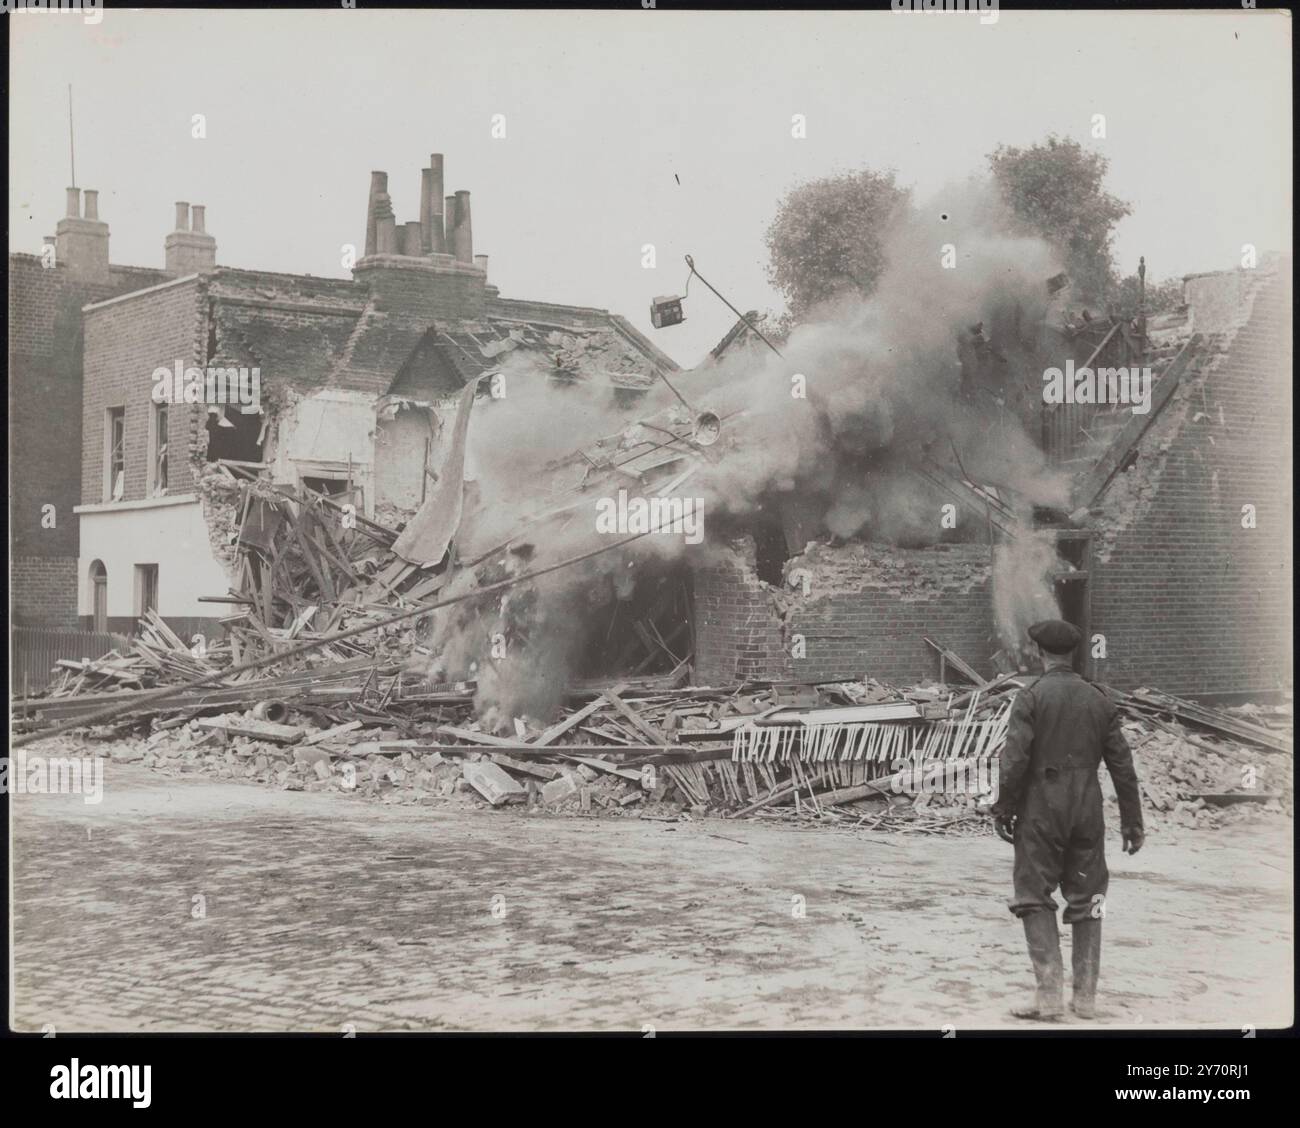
{"x":635,"y":719}
{"x":1212,"y":719}
{"x":330,"y":734}
{"x":559,"y":751}
{"x":1225,"y":798}
{"x":959,"y":664}
{"x":478,"y":737}
{"x":605,"y":766}
{"x":561,"y":727}
{"x":997,"y":685}
{"x":541,"y":771}
{"x":254,"y":729}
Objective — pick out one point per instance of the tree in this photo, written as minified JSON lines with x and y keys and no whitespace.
{"x":828,"y":236}
{"x":1161,"y":297}
{"x":1054,"y":190}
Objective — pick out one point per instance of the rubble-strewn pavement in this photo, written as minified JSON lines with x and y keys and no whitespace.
{"x":188,"y":903}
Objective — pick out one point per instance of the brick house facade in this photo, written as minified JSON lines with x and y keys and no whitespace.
{"x":46,"y":296}
{"x":360,"y":380}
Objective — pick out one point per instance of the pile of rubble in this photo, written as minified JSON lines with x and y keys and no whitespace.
{"x":284,"y":700}
{"x":921,"y":759}
{"x":1202,"y":768}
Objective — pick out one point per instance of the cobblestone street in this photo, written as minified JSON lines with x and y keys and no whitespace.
{"x":320,"y":911}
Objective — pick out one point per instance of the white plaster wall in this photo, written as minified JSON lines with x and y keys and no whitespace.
{"x":332,"y":425}
{"x":400,"y":457}
{"x":173,"y":536}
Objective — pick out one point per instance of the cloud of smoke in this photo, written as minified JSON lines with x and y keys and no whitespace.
{"x":1022,"y":586}
{"x":868,"y":391}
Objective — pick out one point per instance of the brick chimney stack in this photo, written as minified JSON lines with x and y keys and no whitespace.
{"x":435,"y":242}
{"x":422,"y":269}
{"x":189,"y":249}
{"x":462,"y":238}
{"x":81,"y":242}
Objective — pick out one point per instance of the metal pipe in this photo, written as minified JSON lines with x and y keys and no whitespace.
{"x":691,"y":263}
{"x":273,"y":711}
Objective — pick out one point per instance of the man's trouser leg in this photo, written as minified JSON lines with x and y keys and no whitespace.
{"x":1036,"y":875}
{"x":1084,"y":882}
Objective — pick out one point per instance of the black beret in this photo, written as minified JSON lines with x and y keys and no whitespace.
{"x":1055,"y":636}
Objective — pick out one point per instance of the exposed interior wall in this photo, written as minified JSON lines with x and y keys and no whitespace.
{"x":1187,"y":598}
{"x":866,"y":611}
{"x":406,"y":441}
{"x":328,"y":434}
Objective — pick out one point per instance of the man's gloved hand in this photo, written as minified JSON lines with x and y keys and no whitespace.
{"x":1132,"y":837}
{"x":1005,"y":825}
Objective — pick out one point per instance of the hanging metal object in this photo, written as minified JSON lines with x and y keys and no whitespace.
{"x":707,"y":429}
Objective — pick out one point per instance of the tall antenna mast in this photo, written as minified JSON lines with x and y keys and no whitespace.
{"x":72,"y":152}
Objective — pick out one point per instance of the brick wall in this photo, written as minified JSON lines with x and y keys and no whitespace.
{"x":45,"y":420}
{"x":1189,"y":600}
{"x":124,"y":343}
{"x":44,"y":591}
{"x":867,"y":612}
{"x":739,"y":632}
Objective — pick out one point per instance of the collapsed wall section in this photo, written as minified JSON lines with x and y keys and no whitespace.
{"x":1192,"y":590}
{"x":843,"y":612}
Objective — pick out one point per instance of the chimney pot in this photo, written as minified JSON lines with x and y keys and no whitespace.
{"x":182,"y":215}
{"x":74,"y":203}
{"x":378,"y":187}
{"x":92,"y":203}
{"x":462,"y":244}
{"x":197,"y":213}
{"x":435,"y":237}
{"x":426,"y":211}
{"x":412,"y":238}
{"x":385,"y":226}
{"x":481,"y":262}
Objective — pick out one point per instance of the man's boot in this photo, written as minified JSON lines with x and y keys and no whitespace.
{"x":1087,"y":963}
{"x":1045,"y":954}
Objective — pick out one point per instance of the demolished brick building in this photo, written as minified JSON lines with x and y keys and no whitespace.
{"x":362,"y":381}
{"x":1173,"y":582}
{"x":359,"y":384}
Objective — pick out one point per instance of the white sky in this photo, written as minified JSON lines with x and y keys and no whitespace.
{"x":606,"y":111}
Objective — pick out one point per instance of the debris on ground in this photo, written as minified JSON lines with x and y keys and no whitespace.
{"x":317,"y":712}
{"x":859,"y":754}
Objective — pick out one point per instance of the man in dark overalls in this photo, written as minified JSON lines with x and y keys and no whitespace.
{"x":1049,"y":808}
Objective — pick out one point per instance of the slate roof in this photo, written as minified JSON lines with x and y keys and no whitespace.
{"x":318,"y":332}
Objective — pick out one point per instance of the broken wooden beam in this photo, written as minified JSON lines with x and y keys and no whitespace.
{"x":331,"y":733}
{"x":955,"y":660}
{"x":253,"y":729}
{"x":634,"y":718}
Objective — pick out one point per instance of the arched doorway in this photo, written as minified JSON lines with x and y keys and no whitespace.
{"x":99,"y":596}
